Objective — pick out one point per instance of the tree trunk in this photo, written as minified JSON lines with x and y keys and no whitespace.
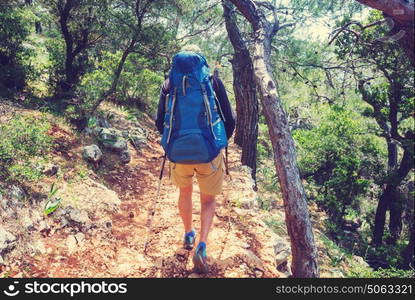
{"x":388,"y":199}
{"x":392,"y":155}
{"x":395,"y":218}
{"x":65,"y":84}
{"x":38,"y":27}
{"x":71,"y":76}
{"x":394,"y":205}
{"x":246,"y":134}
{"x":408,"y":252}
{"x":82,"y":121}
{"x":304,"y":255}
{"x":116,"y":76}
{"x":380,"y":216}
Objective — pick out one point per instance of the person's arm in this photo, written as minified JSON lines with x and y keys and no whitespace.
{"x":225,"y":105}
{"x":161,"y":107}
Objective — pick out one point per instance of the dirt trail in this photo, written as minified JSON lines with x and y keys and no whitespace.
{"x":243,"y":249}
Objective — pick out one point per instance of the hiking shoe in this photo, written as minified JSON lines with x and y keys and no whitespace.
{"x":200,"y":259}
{"x":189,"y":240}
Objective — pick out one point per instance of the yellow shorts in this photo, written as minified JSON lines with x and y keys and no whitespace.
{"x":209,"y":175}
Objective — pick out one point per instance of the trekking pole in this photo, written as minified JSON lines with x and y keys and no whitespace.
{"x":228,"y":202}
{"x":153,"y":208}
{"x":232,"y":186}
{"x":226,"y":162}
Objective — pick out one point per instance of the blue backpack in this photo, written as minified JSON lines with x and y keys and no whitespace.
{"x":193,"y":129}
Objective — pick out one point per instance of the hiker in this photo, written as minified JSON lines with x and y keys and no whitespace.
{"x":196,"y":121}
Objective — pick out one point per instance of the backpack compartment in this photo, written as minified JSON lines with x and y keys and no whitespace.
{"x":192,"y":147}
{"x":191,"y":141}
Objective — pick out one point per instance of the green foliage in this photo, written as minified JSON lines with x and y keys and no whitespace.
{"x":386,"y":71}
{"x":24,"y":143}
{"x":55,"y":48}
{"x":277,"y":226}
{"x":82,"y":173}
{"x":337,"y":157}
{"x":82,"y":24}
{"x":137,"y":83}
{"x":267,"y":178}
{"x":382,"y":273}
{"x":14,"y":31}
{"x":386,"y":256}
{"x":322,"y":8}
{"x":53,"y":202}
{"x":92,"y":122}
{"x":264,"y":149}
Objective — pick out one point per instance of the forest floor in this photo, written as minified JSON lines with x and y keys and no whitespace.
{"x":240,"y":244}
{"x":241,"y":250}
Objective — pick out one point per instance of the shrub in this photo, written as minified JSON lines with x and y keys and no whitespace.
{"x":382,"y":273}
{"x":339,"y":158}
{"x":277,"y":226}
{"x":267,"y":178}
{"x":24,"y":143}
{"x":137,"y":84}
{"x":13,"y":32}
{"x":54,"y":47}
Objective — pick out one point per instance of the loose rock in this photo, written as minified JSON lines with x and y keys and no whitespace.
{"x":43,"y":226}
{"x":92,"y":153}
{"x":282,"y":252}
{"x":118,"y":146}
{"x":71,"y":243}
{"x":74,"y":217}
{"x":27,"y":223}
{"x":16,"y":193}
{"x":80,"y":237}
{"x":38,"y":247}
{"x":138,"y":137}
{"x":7,"y":241}
{"x":282,"y":257}
{"x":104,"y":123}
{"x":194,"y":275}
{"x":253,"y":261}
{"x":50,"y":170}
{"x":106,"y":134}
{"x":125,"y":157}
{"x":285,"y":269}
{"x":77,"y":216}
{"x":3,"y":202}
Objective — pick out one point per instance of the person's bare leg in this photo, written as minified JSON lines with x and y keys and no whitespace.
{"x":206,"y":217}
{"x":185,"y":207}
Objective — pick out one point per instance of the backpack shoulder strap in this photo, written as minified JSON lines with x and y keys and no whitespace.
{"x":166,"y":103}
{"x":174,"y":96}
{"x":213,"y":80}
{"x":207,"y":107}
